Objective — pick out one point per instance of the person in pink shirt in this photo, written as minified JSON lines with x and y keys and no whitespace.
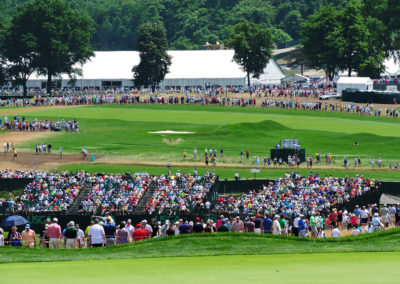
{"x":54,"y":234}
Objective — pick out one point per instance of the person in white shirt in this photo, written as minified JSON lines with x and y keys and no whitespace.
{"x":81,"y":237}
{"x":129,"y":227}
{"x":1,"y":238}
{"x":335,"y":233}
{"x":276,"y":227}
{"x":321,"y":233}
{"x":376,"y":223}
{"x":97,"y":237}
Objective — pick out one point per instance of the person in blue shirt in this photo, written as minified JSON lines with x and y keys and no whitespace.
{"x":357,"y":211}
{"x":302,"y":227}
{"x":266,"y":226}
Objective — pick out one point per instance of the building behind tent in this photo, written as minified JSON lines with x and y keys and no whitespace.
{"x":189,"y":69}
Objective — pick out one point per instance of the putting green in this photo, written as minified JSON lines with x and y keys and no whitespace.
{"x":307,"y":268}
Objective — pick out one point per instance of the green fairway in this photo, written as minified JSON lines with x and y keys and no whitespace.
{"x":308,"y":268}
{"x":120,"y":133}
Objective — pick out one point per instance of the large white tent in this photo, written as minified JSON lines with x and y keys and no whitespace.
{"x":392,"y":67}
{"x":359,"y":83}
{"x":198,"y":68}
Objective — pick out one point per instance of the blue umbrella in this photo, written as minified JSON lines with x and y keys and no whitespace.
{"x":14,"y":220}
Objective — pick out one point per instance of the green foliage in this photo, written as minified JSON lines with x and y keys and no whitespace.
{"x":253,"y":47}
{"x":49,"y":37}
{"x":3,"y":65}
{"x":189,"y":24}
{"x":318,"y":39}
{"x":154,"y":60}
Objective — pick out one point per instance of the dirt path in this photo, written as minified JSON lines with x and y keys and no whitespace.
{"x":27,"y":161}
{"x":4,"y":111}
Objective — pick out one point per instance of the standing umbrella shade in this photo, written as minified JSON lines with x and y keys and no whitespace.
{"x":14,"y":220}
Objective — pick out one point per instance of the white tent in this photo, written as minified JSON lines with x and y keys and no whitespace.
{"x":295,"y":78}
{"x":188,"y":69}
{"x":359,"y":83}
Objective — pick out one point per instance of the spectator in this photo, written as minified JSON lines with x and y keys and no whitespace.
{"x":110,"y":232}
{"x":29,"y":237}
{"x":97,"y":237}
{"x":54,"y":234}
{"x":71,"y":236}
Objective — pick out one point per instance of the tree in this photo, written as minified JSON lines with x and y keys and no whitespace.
{"x":3,"y":65}
{"x":59,"y":37}
{"x":253,"y":47}
{"x":19,"y":50}
{"x":319,"y":43}
{"x":351,"y":37}
{"x":297,"y":58}
{"x":154,"y":60}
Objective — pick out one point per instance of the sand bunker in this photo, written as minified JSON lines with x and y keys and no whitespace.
{"x":172,"y":141}
{"x":170,"y":132}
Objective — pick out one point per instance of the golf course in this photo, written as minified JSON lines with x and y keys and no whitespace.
{"x":122,"y":137}
{"x":144,"y":138}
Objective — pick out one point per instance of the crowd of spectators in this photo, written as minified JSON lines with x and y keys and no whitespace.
{"x":21,"y":124}
{"x":181,"y":194}
{"x":48,"y":192}
{"x":118,"y":194}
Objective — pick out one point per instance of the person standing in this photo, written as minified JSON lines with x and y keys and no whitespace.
{"x":195,"y":153}
{"x":276,"y":227}
{"x":123,"y":235}
{"x":29,"y":237}
{"x":54,"y":234}
{"x":237,"y":226}
{"x":266,"y":225}
{"x":139,"y":233}
{"x":1,"y":237}
{"x":110,"y":231}
{"x":15,"y":237}
{"x":81,"y":236}
{"x":129,"y":228}
{"x":223,"y":228}
{"x":70,"y":236}
{"x":302,"y":227}
{"x":97,"y":236}
{"x":198,"y":227}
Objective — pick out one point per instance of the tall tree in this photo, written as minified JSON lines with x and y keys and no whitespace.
{"x":351,"y":37}
{"x":253,"y":47}
{"x":154,"y":63}
{"x":59,"y":36}
{"x":318,"y":40}
{"x":3,"y":65}
{"x":19,"y":50}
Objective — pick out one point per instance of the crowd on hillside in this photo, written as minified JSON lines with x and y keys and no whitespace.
{"x":21,"y":124}
{"x":182,"y":194}
{"x":118,"y":194}
{"x":295,"y":194}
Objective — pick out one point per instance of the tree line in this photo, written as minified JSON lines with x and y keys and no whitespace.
{"x":189,"y":24}
{"x":354,"y":38}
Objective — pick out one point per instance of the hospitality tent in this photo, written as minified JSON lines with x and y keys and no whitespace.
{"x":359,"y":83}
{"x":199,"y":68}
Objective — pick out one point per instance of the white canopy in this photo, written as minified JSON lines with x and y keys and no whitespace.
{"x":197,"y":64}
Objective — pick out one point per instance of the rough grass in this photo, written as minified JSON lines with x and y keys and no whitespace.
{"x":212,"y":245}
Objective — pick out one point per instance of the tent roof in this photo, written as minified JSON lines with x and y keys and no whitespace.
{"x":117,"y":65}
{"x":389,"y":199}
{"x":354,"y":80}
{"x":296,"y":76}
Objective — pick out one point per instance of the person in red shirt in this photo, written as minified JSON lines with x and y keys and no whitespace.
{"x":139,"y":234}
{"x":333,"y":217}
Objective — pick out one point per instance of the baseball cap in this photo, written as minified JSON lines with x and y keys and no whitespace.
{"x":138,"y":225}
{"x":197,"y":218}
{"x":108,"y":218}
{"x":27,"y":226}
{"x":55,"y":220}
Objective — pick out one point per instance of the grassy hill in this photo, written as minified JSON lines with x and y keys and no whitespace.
{"x":213,"y":245}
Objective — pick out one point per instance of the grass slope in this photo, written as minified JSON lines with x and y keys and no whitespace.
{"x":122,"y":131}
{"x":216,"y":244}
{"x":310,"y":268}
